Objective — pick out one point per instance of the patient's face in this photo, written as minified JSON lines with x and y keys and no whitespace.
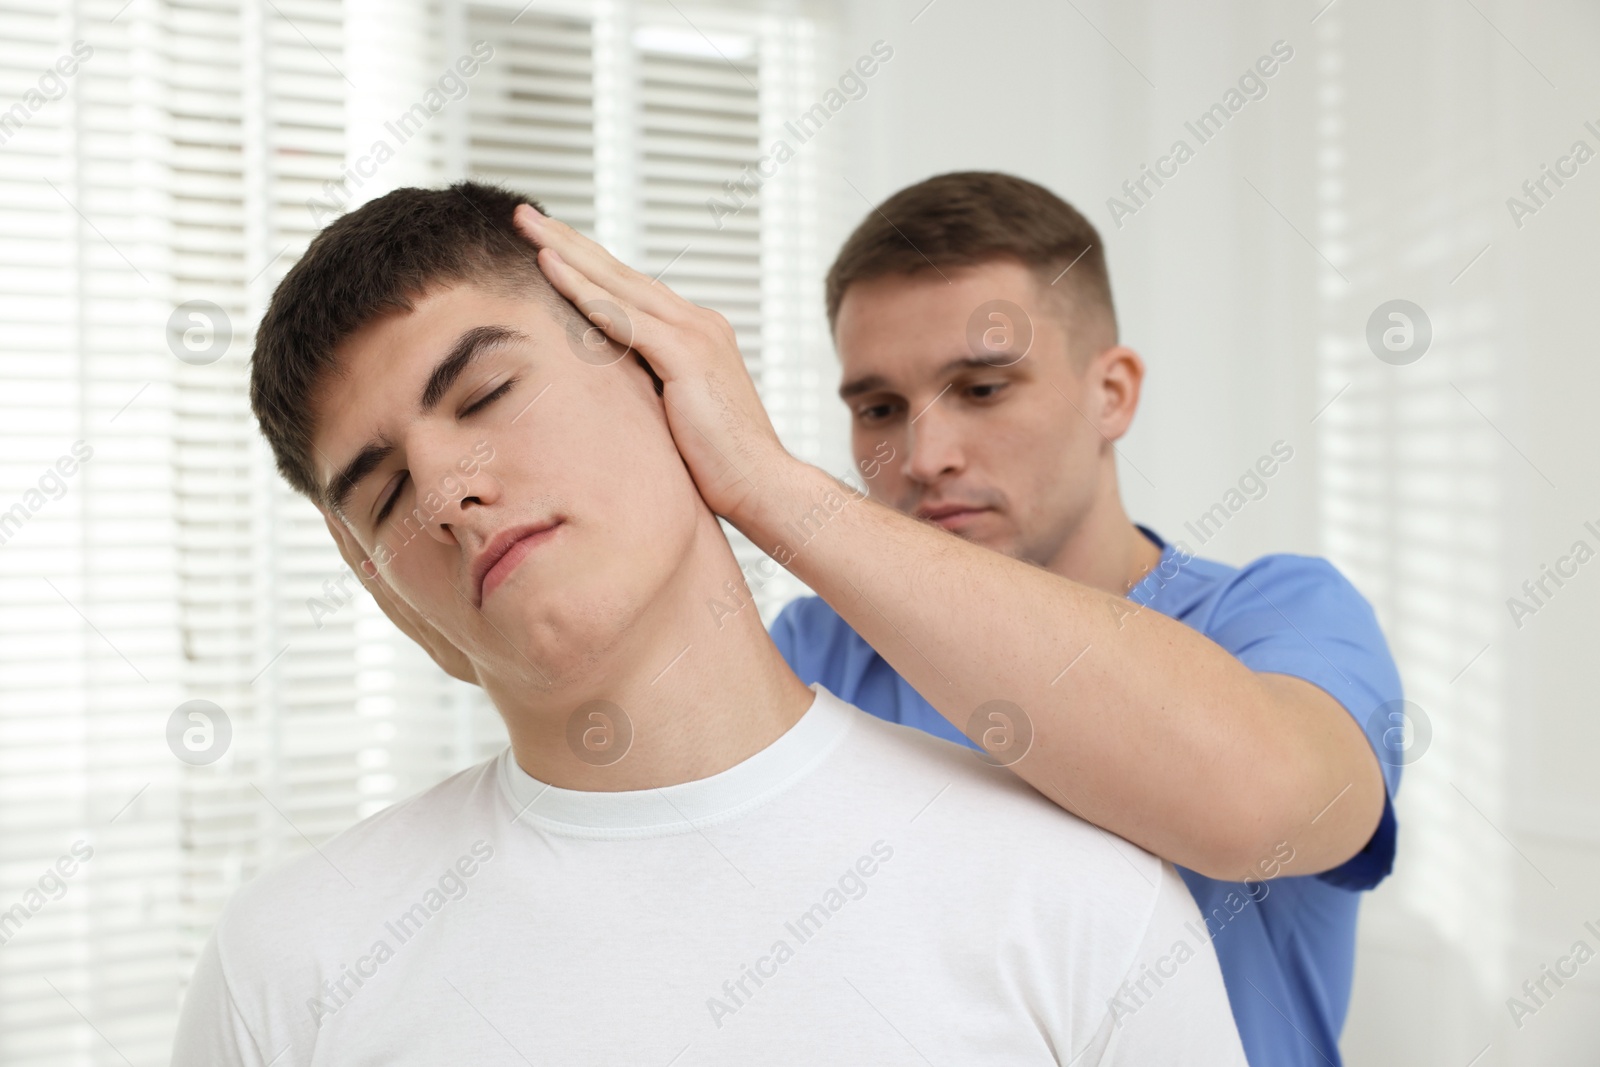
{"x":1002,"y":437}
{"x":569,"y":462}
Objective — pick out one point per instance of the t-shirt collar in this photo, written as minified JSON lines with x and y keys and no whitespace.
{"x":690,"y":805}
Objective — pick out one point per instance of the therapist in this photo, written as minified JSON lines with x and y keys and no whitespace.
{"x":990,"y":586}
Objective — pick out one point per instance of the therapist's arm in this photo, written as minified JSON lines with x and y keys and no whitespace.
{"x":1155,"y":733}
{"x":1142,"y":725}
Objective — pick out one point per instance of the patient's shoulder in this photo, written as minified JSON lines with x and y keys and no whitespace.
{"x":1022,"y":870}
{"x":992,"y":810}
{"x":390,"y":850}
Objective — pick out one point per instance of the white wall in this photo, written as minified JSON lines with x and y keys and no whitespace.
{"x":1377,"y":167}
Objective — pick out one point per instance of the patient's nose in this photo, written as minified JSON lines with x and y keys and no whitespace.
{"x":456,"y":495}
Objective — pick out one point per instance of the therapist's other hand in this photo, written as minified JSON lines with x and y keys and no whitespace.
{"x":713,"y":410}
{"x":449,"y":658}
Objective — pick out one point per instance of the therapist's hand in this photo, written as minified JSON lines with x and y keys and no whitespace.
{"x":716,"y":417}
{"x":449,"y":658}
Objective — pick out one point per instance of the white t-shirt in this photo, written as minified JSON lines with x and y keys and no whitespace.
{"x":857,"y":892}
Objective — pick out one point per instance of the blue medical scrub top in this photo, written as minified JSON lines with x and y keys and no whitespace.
{"x":1286,"y":946}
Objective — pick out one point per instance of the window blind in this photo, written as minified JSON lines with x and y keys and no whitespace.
{"x":150,"y":556}
{"x":89,"y":645}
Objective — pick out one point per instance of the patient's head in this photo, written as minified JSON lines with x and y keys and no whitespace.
{"x":419,"y":379}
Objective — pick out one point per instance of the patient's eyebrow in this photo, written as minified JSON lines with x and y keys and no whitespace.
{"x":337,"y":494}
{"x":468,"y":347}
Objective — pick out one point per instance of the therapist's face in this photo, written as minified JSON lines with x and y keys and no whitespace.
{"x":1008,"y":450}
{"x":526,"y":445}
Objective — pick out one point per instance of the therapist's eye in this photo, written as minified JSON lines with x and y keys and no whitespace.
{"x":875,"y":412}
{"x":986,"y":390}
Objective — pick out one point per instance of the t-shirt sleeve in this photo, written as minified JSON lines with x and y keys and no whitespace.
{"x":211,"y":1032}
{"x":1172,"y":1007}
{"x":1297,"y":615}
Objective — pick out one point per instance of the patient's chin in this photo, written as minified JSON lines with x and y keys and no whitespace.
{"x":514,"y":657}
{"x":562,"y":637}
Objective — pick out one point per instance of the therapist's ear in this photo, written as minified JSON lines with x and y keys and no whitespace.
{"x":1115,"y":377}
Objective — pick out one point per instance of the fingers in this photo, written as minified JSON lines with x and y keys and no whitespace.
{"x":624,"y":323}
{"x":661,"y":323}
{"x":341,"y":538}
{"x":406,"y":619}
{"x":349,"y":548}
{"x":589,"y":258}
{"x":357,"y":560}
{"x":334,"y":531}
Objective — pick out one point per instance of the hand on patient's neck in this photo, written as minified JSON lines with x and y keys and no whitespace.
{"x":699,"y":697}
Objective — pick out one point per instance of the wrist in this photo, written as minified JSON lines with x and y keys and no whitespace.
{"x":784,"y":489}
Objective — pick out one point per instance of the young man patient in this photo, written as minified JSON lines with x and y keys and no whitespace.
{"x":685,"y":856}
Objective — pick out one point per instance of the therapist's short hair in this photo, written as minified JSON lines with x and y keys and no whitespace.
{"x":370,"y":262}
{"x":971,"y":217}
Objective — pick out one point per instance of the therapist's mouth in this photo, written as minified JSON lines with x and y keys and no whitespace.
{"x":951,"y":517}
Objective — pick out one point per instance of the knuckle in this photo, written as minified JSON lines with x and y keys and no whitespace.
{"x":715,"y":322}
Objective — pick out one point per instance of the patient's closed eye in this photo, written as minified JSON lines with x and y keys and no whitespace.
{"x":389,"y":502}
{"x":493,"y":395}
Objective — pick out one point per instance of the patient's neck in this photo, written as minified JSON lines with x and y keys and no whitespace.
{"x":701,"y":688}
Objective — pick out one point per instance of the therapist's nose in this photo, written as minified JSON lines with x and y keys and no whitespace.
{"x":933,"y":446}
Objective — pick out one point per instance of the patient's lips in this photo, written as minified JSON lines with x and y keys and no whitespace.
{"x":506,"y":551}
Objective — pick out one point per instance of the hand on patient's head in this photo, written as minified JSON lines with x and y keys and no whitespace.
{"x":450,"y":659}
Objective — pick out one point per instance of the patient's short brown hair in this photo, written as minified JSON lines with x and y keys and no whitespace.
{"x":971,"y":217}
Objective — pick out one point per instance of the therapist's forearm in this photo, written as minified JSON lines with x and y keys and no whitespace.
{"x":1141,"y":725}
